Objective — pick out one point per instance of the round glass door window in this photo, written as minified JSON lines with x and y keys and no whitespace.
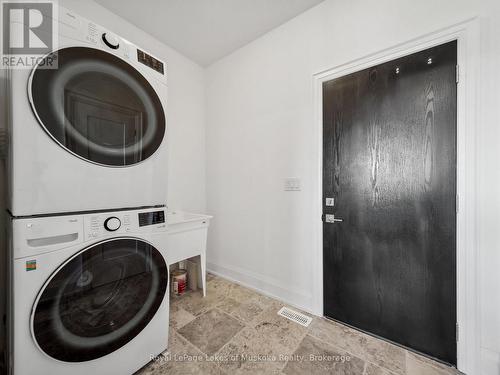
{"x":100,"y":300}
{"x":98,"y":107}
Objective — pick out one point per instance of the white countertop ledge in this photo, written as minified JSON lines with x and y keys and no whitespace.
{"x":180,"y":217}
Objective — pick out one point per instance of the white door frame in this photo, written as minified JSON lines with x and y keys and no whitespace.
{"x":467,"y":36}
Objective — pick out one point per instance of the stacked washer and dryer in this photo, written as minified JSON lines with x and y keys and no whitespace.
{"x":87,"y":191}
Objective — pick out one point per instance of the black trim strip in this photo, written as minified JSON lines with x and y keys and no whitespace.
{"x":85,"y":212}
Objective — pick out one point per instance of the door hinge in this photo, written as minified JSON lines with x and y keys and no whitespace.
{"x":4,"y":143}
{"x":323,"y":217}
{"x":457,"y":74}
{"x":457,"y":330}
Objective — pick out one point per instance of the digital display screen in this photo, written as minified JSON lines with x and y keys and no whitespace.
{"x":151,"y":218}
{"x":150,"y":61}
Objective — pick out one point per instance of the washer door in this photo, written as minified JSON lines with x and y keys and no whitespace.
{"x":99,"y":300}
{"x":98,"y":107}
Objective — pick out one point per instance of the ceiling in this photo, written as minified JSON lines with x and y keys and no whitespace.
{"x":207,"y":30}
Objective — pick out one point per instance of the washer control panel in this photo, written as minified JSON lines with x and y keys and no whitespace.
{"x":104,"y":224}
{"x":151,"y":218}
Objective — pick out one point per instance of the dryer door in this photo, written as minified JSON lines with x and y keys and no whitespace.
{"x":98,"y":107}
{"x":99,"y":300}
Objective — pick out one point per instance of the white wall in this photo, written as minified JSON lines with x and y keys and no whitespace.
{"x":260,"y":130}
{"x":185,"y":108}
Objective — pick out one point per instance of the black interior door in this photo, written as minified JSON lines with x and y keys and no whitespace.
{"x":389,"y":156}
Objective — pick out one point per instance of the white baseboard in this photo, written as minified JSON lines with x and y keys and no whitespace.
{"x":264,"y":285}
{"x":490,"y":362}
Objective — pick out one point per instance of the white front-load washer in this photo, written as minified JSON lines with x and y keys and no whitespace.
{"x":89,"y":134}
{"x":88,"y":293}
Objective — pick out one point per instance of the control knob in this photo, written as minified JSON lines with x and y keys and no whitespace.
{"x":111,"y":41}
{"x":112,"y":224}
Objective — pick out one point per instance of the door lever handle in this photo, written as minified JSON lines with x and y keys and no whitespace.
{"x":332,"y":219}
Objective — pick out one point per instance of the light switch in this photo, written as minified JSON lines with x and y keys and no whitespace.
{"x":292,"y":184}
{"x":329,"y":202}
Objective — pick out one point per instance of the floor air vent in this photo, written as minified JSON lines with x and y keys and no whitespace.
{"x":295,"y":316}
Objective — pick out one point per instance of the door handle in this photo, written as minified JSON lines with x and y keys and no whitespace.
{"x":332,"y":219}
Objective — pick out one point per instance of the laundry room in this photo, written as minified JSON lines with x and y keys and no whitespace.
{"x":249,"y":187}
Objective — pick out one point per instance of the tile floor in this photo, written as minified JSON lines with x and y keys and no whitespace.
{"x":234,"y":330}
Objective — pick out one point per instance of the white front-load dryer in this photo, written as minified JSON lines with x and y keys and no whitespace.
{"x":88,"y":293}
{"x":89,"y":134}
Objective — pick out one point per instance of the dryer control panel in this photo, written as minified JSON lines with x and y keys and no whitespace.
{"x":82,"y":31}
{"x":150,"y":61}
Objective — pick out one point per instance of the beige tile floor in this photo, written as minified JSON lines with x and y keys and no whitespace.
{"x":234,"y":330}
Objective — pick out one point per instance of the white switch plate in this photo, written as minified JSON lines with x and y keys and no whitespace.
{"x":329,"y":202}
{"x":292,"y":184}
